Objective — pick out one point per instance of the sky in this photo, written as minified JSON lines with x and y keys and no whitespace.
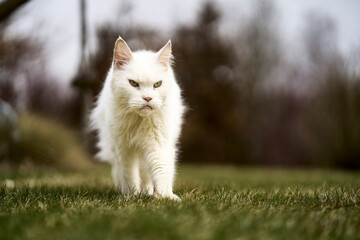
{"x":57,"y":22}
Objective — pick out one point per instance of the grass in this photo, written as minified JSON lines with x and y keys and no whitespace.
{"x":218,"y":203}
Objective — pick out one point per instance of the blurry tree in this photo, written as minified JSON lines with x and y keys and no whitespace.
{"x":335,"y":119}
{"x":25,"y":82}
{"x":8,"y":7}
{"x":16,"y":54}
{"x":268,"y":114}
{"x":321,"y":50}
{"x":204,"y":66}
{"x":27,"y":86}
{"x":339,"y":130}
{"x":258,"y":49}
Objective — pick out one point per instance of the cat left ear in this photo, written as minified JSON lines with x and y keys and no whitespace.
{"x":122,"y":53}
{"x":164,"y":55}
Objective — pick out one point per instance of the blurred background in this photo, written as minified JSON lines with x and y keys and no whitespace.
{"x":267,"y":83}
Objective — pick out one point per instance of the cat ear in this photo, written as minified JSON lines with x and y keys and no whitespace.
{"x":122,"y":53}
{"x":164,"y":55}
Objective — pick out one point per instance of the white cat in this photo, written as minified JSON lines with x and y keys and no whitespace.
{"x":138,"y":116}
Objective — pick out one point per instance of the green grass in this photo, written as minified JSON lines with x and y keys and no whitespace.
{"x":218,"y":203}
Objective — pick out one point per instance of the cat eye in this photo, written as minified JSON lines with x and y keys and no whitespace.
{"x":133,"y":83}
{"x":157,"y":84}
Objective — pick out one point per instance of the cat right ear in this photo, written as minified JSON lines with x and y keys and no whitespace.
{"x":122,"y":53}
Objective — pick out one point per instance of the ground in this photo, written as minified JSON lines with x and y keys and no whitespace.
{"x":217,"y":203}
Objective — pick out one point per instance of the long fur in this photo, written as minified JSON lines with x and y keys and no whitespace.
{"x":141,"y":144}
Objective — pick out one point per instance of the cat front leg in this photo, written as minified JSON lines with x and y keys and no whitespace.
{"x":146,"y":185}
{"x":125,"y":173}
{"x":161,"y":166}
{"x":117,"y":175}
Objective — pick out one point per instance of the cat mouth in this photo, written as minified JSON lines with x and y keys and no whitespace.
{"x":146,"y":107}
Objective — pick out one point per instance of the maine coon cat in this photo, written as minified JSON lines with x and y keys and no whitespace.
{"x":138,"y":116}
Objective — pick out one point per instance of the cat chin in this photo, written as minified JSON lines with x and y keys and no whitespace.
{"x":145,"y":111}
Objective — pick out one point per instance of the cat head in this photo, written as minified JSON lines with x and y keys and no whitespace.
{"x":141,"y":80}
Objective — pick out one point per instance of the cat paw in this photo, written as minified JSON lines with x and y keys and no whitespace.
{"x":147,"y":190}
{"x":171,"y":196}
{"x":175,"y":197}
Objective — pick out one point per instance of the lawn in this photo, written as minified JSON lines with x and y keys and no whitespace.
{"x":217,"y":203}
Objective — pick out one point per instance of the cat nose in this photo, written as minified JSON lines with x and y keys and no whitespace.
{"x":148,"y":99}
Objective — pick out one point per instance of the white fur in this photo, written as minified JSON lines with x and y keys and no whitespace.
{"x":140,"y":144}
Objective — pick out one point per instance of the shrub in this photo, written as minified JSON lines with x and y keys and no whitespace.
{"x":45,"y":142}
